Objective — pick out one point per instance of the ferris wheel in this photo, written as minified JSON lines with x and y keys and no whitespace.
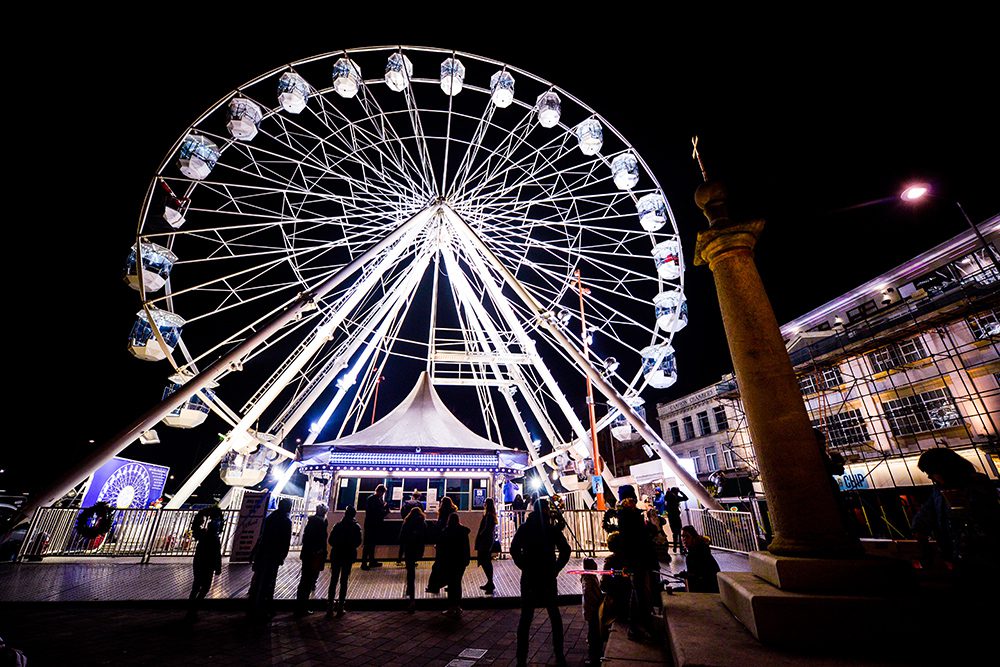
{"x":299,"y":219}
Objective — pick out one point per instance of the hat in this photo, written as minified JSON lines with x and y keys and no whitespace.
{"x":626,"y":491}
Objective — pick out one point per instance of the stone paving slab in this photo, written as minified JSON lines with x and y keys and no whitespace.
{"x":68,"y":633}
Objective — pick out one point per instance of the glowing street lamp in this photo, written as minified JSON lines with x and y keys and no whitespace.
{"x":917,"y":192}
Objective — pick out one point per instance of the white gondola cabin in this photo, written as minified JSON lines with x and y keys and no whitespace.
{"x":143,"y":342}
{"x":652,"y":211}
{"x":243,"y":118}
{"x":625,"y":170}
{"x":667,"y":256}
{"x":671,"y":310}
{"x":452,"y":76}
{"x":197,"y":157}
{"x":346,"y":78}
{"x":502,"y":89}
{"x":293,"y":92}
{"x":590,"y":136}
{"x":549,"y":109}
{"x":156,"y":264}
{"x":621,"y":429}
{"x":659,"y":366}
{"x":192,"y":412}
{"x":398,"y":72}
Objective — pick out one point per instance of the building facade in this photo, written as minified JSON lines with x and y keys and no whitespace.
{"x":904,"y":363}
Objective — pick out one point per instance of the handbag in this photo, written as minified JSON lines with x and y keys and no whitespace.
{"x":495,"y":549}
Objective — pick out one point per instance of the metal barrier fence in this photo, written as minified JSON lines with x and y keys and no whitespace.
{"x":134,"y":532}
{"x":584,"y":531}
{"x":163,"y":532}
{"x":726,"y":530}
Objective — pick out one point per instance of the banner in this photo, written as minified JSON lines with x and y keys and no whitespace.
{"x":125,"y":483}
{"x":253,"y":511}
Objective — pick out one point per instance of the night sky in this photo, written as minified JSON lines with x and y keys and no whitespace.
{"x":800,"y":126}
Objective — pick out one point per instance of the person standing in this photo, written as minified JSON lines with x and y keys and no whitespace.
{"x":672,"y":501}
{"x":268,"y":557}
{"x":207,"y":530}
{"x":375,"y":513}
{"x":412,"y":537}
{"x":592,"y":598}
{"x":414,"y":501}
{"x":485,"y":538}
{"x":437,"y":578}
{"x":518,"y":508}
{"x":455,"y":557}
{"x":540,"y":551}
{"x":345,"y":538}
{"x":659,"y":501}
{"x":640,"y":561}
{"x":313,"y":556}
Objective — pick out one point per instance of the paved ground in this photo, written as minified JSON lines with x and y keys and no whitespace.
{"x":105,"y":579}
{"x":74,"y":634}
{"x":101,"y":612}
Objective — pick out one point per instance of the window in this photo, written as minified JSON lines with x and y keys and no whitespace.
{"x":697,"y":461}
{"x":688,"y":428}
{"x":712,"y":459}
{"x":845,"y":428}
{"x":897,"y":354}
{"x":862,"y":311}
{"x":721,"y":421}
{"x":921,"y":413}
{"x":985,"y":326}
{"x":827,"y":379}
{"x":729,"y":457}
{"x":675,"y":432}
{"x":704,"y":425}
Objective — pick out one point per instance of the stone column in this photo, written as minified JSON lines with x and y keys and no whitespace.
{"x":800,"y":500}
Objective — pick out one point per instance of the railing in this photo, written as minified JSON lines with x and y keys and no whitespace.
{"x":726,"y":530}
{"x":134,"y":532}
{"x":583,"y":531}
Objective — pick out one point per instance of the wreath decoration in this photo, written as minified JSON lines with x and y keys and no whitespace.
{"x":95,"y":521}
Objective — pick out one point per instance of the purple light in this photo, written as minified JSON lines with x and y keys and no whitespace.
{"x":914,"y":192}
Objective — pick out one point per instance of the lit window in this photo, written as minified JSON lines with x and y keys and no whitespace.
{"x":921,"y":413}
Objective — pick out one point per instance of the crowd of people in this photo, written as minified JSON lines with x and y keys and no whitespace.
{"x":625,"y":591}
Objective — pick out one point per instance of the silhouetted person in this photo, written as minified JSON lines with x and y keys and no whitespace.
{"x":345,"y":538}
{"x":963,"y":514}
{"x":268,"y":557}
{"x":672,"y":502}
{"x":412,"y":537}
{"x":207,"y":530}
{"x":313,"y":556}
{"x":404,"y":511}
{"x":640,"y":561}
{"x":518,"y":507}
{"x":485,"y":538}
{"x":540,"y":551}
{"x":701,"y":564}
{"x":592,"y":598}
{"x":375,"y":513}
{"x":414,"y":501}
{"x":438,"y":578}
{"x":453,"y":549}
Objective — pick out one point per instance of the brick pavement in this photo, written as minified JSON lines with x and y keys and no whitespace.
{"x":136,"y":634}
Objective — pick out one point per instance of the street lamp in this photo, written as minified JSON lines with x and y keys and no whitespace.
{"x":916,"y":192}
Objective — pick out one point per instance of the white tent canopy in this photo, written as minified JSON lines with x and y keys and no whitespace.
{"x":420,"y":421}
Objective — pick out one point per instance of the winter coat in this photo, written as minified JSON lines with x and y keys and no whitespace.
{"x":701,"y":568}
{"x":412,"y":537}
{"x":275,"y":538}
{"x":314,"y":540}
{"x":345,"y":538}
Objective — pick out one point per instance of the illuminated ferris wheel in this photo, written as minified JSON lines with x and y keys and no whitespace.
{"x":379,"y":203}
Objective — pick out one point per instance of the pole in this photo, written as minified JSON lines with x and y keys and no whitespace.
{"x":599,"y":491}
{"x":378,"y":383}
